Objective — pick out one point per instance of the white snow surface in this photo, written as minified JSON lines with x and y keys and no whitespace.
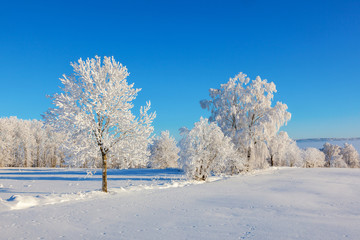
{"x":276,"y":203}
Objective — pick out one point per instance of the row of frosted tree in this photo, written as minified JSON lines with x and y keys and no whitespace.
{"x":25,"y":143}
{"x":30,"y":143}
{"x":92,"y":124}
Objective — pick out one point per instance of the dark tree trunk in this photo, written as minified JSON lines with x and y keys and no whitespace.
{"x":271,"y":160}
{"x":104,"y":172}
{"x":249,"y":154}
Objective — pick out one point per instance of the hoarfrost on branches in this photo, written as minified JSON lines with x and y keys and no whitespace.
{"x":283,"y":151}
{"x":95,"y":107}
{"x":332,"y":156}
{"x":164,"y":152}
{"x":242,"y":108}
{"x":28,"y":143}
{"x":350,"y":155}
{"x":134,"y":153}
{"x":206,"y":151}
{"x":313,"y":157}
{"x":293,"y":156}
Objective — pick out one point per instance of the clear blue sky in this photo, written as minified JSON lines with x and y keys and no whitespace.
{"x":177,"y":50}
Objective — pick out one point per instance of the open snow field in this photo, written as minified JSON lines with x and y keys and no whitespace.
{"x":278,"y":203}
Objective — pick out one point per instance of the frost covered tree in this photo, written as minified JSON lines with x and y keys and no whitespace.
{"x":134,"y":153}
{"x":164,"y":152}
{"x":277,"y":148}
{"x":40,"y":140}
{"x":242,"y":109}
{"x":7,"y":141}
{"x":28,"y":143}
{"x":206,"y":151}
{"x":350,"y":155}
{"x":95,"y":107}
{"x":313,"y":157}
{"x":332,"y":156}
{"x":283,"y":151}
{"x":293,"y":157}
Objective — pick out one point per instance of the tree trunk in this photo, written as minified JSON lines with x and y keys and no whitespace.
{"x":104,"y":172}
{"x":249,"y":154}
{"x":25,"y":158}
{"x":271,"y":160}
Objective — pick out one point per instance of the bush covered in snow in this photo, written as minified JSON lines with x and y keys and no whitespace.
{"x":350,"y":155}
{"x":335,"y":156}
{"x":206,"y":151}
{"x":313,"y":157}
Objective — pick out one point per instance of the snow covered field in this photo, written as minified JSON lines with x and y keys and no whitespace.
{"x":277,"y":203}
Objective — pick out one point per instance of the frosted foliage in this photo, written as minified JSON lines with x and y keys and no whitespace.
{"x":206,"y":151}
{"x":94,"y":109}
{"x":350,"y":155}
{"x":293,"y":156}
{"x":242,"y":108}
{"x":332,"y":156}
{"x":134,"y":153}
{"x":25,"y":143}
{"x":283,"y":151}
{"x":164,"y":152}
{"x":313,"y":157}
{"x":339,"y":162}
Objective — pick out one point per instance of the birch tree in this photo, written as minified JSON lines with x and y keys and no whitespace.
{"x":95,"y":104}
{"x":244,"y":112}
{"x":28,"y":143}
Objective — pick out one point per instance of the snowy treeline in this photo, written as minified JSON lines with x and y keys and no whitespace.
{"x":31,"y":143}
{"x":342,"y":157}
{"x":332,"y":156}
{"x":25,"y":143}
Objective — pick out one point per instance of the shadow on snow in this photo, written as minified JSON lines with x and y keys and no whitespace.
{"x":91,"y":174}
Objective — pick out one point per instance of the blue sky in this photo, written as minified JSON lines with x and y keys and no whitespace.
{"x":176,"y":50}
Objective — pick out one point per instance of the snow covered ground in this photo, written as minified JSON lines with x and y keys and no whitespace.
{"x":277,"y":203}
